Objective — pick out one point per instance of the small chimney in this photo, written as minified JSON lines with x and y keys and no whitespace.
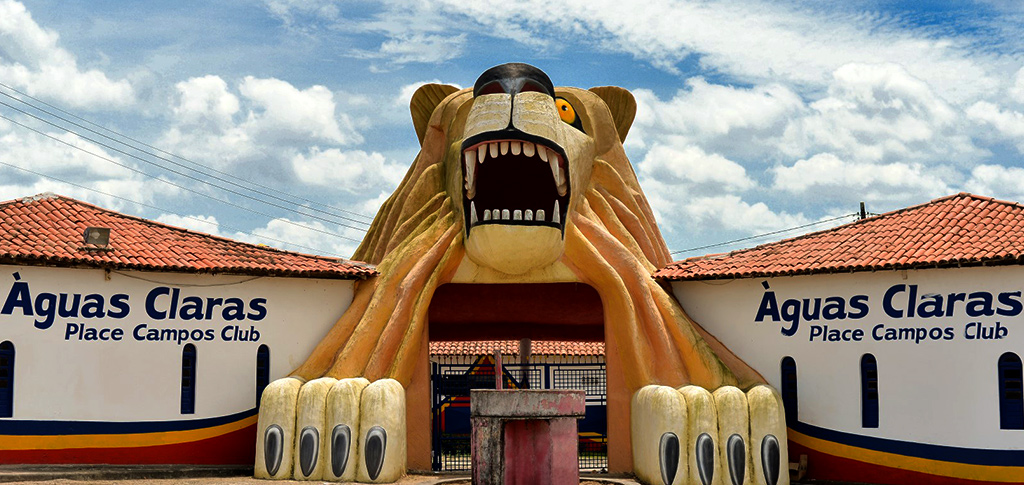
{"x":97,"y":236}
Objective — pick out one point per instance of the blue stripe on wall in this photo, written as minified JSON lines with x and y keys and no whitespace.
{"x":970,"y":456}
{"x":54,"y":428}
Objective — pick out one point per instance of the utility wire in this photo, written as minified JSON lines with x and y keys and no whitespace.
{"x":765,"y":234}
{"x":190,"y":177}
{"x":225,"y":174}
{"x":142,"y":204}
{"x":168,"y":182}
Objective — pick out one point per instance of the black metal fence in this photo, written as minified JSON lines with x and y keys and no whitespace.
{"x":451,"y":384}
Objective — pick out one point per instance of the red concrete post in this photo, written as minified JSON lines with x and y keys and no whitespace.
{"x":526,"y":437}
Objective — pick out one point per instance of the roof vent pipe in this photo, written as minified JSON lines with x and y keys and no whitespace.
{"x":863,"y":211}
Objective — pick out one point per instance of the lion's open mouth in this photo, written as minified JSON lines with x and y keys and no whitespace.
{"x":514,"y":178}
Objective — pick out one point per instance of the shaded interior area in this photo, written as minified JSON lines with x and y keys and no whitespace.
{"x":541,"y":311}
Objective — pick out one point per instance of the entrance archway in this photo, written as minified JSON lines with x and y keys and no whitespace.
{"x":567,"y":312}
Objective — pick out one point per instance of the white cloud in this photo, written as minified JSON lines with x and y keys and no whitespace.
{"x":197,"y":223}
{"x":997,"y":181}
{"x":423,"y":48}
{"x":748,"y":40}
{"x":690,"y":166}
{"x":302,"y":236}
{"x":206,"y":100}
{"x":1017,"y":90}
{"x":268,"y":118}
{"x":880,"y":113}
{"x":281,"y":111}
{"x":31,"y":60}
{"x":1009,"y":124}
{"x":741,"y":122}
{"x":353,"y":170}
{"x":826,"y":176}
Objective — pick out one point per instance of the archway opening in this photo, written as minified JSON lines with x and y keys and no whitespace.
{"x":564,"y":323}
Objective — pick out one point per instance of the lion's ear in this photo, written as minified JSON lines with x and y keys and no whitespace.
{"x":424,"y":100}
{"x":622,"y":105}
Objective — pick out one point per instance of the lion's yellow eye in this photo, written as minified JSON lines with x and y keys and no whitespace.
{"x":565,"y":111}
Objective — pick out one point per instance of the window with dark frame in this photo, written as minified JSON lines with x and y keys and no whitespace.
{"x":868,"y":391}
{"x":1011,"y":392}
{"x":188,"y":379}
{"x":262,"y":371}
{"x":789,"y":390}
{"x":6,"y":379}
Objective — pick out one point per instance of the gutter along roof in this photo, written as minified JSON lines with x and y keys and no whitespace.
{"x":48,"y":230}
{"x":957,"y":230}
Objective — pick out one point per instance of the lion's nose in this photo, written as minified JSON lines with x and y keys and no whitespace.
{"x":513,"y":78}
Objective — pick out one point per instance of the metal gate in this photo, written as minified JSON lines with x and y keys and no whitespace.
{"x":451,"y":384}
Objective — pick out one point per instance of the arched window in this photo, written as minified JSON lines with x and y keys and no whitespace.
{"x":188,"y":379}
{"x":868,"y":391}
{"x":262,"y":371}
{"x":1011,"y":392}
{"x":6,"y":379}
{"x":789,"y":393}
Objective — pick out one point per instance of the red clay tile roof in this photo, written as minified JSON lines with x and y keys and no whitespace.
{"x":48,"y":230}
{"x":509,"y":347}
{"x":957,"y":230}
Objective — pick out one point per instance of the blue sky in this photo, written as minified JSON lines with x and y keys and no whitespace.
{"x":754,"y":116}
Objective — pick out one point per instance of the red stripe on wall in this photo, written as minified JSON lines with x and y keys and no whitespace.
{"x":234,"y":448}
{"x":823,"y":466}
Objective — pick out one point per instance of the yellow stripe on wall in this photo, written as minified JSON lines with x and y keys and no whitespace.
{"x":1007,"y":474}
{"x":127,"y":440}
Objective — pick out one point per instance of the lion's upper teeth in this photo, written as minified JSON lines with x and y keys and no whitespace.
{"x":517,"y":148}
{"x":542,"y":153}
{"x":504,"y":147}
{"x":494,"y":149}
{"x":528,"y":149}
{"x":482,"y":150}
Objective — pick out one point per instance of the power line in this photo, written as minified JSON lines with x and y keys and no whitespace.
{"x":143,"y":204}
{"x":168,"y":182}
{"x":765,"y":234}
{"x":225,"y":174}
{"x":190,"y":177}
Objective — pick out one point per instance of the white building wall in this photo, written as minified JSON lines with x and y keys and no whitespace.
{"x":942,"y":392}
{"x":60,"y":377}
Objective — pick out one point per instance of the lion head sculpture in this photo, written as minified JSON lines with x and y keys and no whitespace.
{"x":521,"y":182}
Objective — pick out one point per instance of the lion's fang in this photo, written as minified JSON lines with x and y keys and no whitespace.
{"x":556,"y":217}
{"x":472,"y":213}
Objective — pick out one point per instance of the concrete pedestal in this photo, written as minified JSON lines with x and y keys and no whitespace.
{"x":525,"y":437}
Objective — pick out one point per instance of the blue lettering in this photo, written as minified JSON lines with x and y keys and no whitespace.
{"x":151,"y":303}
{"x":887,"y":301}
{"x":259,"y":310}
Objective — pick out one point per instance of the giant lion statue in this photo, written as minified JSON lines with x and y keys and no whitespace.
{"x":521,"y":184}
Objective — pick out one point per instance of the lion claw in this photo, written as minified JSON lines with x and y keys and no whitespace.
{"x":691,"y":435}
{"x":333,"y":430}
